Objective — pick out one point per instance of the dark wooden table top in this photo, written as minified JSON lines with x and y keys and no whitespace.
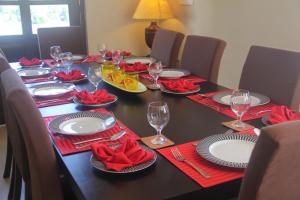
{"x":189,"y":121}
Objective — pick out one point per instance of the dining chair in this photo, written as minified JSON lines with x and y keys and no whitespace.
{"x":274,"y":73}
{"x":202,"y":56}
{"x":70,"y":39}
{"x":272,"y":172}
{"x":42,"y":164}
{"x":165,"y":47}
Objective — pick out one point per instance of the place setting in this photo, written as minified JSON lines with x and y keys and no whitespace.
{"x":76,"y":132}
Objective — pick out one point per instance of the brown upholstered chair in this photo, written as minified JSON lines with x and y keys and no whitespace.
{"x":202,"y":56}
{"x":165,"y":47}
{"x":44,"y":178}
{"x":68,"y":38}
{"x":273,"y":170}
{"x":275,"y":73}
{"x":11,"y":81}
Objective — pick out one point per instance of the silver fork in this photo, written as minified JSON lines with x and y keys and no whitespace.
{"x":259,"y":112}
{"x":178,"y":156}
{"x":229,"y":131}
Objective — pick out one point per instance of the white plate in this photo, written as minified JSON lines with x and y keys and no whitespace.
{"x":144,"y":60}
{"x":33,"y":72}
{"x":51,"y":89}
{"x":231,"y":150}
{"x":163,"y":89}
{"x":78,"y":57}
{"x":256,"y":99}
{"x":174,"y":73}
{"x":82,"y":123}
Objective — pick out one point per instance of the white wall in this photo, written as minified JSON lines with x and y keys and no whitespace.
{"x":241,"y":23}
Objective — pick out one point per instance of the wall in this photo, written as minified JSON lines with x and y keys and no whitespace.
{"x":241,"y":23}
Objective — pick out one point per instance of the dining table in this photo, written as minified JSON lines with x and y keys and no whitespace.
{"x":189,"y":121}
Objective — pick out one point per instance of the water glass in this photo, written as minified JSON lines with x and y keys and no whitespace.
{"x":102,"y":50}
{"x":67,"y":60}
{"x":158,"y":116}
{"x":55,"y":52}
{"x":117,"y":57}
{"x":155,"y":69}
{"x":94,"y":75}
{"x":240,"y":102}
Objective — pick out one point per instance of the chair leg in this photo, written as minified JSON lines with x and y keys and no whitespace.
{"x":12,"y":183}
{"x":15,"y":184}
{"x":8,"y":162}
{"x":27,"y":191}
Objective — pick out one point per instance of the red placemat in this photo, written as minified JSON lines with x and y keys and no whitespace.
{"x":192,"y":78}
{"x":218,"y":174}
{"x":226,"y":110}
{"x":45,"y":102}
{"x":65,"y":143}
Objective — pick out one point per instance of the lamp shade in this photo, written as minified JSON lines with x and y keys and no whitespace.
{"x":153,"y":10}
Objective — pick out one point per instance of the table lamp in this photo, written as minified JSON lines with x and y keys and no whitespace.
{"x":153,"y":10}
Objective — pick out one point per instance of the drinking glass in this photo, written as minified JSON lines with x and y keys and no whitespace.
{"x":117,"y":57}
{"x":55,"y":52}
{"x":102,"y":50}
{"x":158,"y":116}
{"x":67,"y":60}
{"x":240,"y":102}
{"x":155,"y":69}
{"x":94,"y":75}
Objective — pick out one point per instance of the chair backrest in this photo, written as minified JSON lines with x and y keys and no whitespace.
{"x":44,"y":177}
{"x":273,"y":72}
{"x":202,"y":56}
{"x":4,"y":65}
{"x":165,"y":47}
{"x":273,"y":170}
{"x":11,"y":81}
{"x":68,"y":38}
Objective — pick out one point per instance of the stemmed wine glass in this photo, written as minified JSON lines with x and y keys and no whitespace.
{"x":55,"y":52}
{"x":158,"y":116}
{"x":240,"y":102}
{"x":155,"y":69}
{"x":67,"y":59}
{"x":117,"y":57}
{"x":94,"y":76}
{"x":102,"y":50}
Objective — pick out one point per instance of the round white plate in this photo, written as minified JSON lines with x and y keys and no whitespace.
{"x":51,"y":89}
{"x":33,"y":72}
{"x":78,"y":57}
{"x":77,"y":101}
{"x":231,"y":150}
{"x":173,"y":73}
{"x":144,"y":60}
{"x":82,"y":123}
{"x":256,"y":99}
{"x":100,"y":166}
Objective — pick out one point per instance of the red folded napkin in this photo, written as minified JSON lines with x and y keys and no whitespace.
{"x":128,"y":154}
{"x":136,"y":67}
{"x":73,"y":75}
{"x":99,"y":96}
{"x":180,"y":85}
{"x":108,"y":54}
{"x":26,"y":62}
{"x":282,"y":114}
{"x":125,"y":53}
{"x":90,"y":59}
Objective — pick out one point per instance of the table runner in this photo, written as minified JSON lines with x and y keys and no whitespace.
{"x":218,"y":174}
{"x":192,"y":78}
{"x":65,"y":143}
{"x":226,"y":110}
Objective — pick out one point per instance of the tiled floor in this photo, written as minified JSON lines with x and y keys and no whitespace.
{"x":4,"y":184}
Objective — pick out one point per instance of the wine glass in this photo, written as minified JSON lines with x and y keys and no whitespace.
{"x":94,"y":76}
{"x":158,"y":116}
{"x":102,"y":50}
{"x":240,"y":102}
{"x":155,"y":69}
{"x":67,"y":60}
{"x":55,"y":52}
{"x":117,"y":57}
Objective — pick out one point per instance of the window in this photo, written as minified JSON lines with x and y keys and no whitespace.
{"x":10,"y":20}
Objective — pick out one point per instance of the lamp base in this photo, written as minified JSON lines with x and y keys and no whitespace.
{"x":150,"y":33}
